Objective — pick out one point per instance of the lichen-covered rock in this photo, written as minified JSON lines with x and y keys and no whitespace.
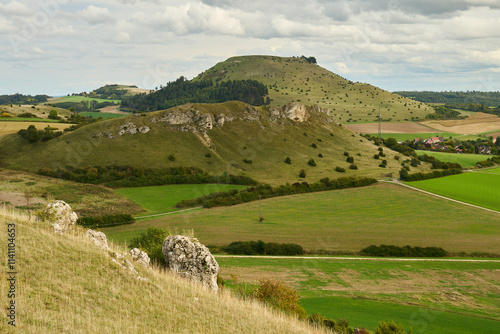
{"x":98,"y":238}
{"x":190,"y":259}
{"x":140,"y":257}
{"x":60,"y":215}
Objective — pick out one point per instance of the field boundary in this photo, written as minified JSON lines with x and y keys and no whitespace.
{"x":168,"y":213}
{"x":396,"y":181}
{"x":351,"y":258}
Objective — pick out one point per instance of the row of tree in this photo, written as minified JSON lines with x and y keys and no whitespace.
{"x":129,"y":176}
{"x":262,"y":248}
{"x":22,"y":99}
{"x":33,"y":135}
{"x":406,"y":251}
{"x":182,"y":91}
{"x":491,"y":99}
{"x":234,"y":197}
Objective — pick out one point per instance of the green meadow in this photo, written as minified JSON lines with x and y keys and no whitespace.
{"x":443,"y":296}
{"x":475,"y":188}
{"x":347,"y":219}
{"x":465,"y":160}
{"x":81,"y":98}
{"x":492,"y":170}
{"x":159,"y":199}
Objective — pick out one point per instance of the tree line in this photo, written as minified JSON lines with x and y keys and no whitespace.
{"x":129,"y":176}
{"x":182,"y":91}
{"x":22,"y":99}
{"x":262,"y":191}
{"x":491,"y":99}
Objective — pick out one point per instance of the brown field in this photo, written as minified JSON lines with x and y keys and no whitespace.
{"x":13,"y":127}
{"x":112,"y":110}
{"x":477,"y":123}
{"x":390,"y":128}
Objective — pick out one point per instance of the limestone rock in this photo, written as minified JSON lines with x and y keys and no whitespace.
{"x":60,"y":215}
{"x":295,"y":111}
{"x":140,"y":257}
{"x":98,"y":238}
{"x":190,"y":259}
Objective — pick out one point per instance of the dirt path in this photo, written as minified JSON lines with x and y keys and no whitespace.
{"x":168,"y":213}
{"x":350,"y":258}
{"x":396,"y":181}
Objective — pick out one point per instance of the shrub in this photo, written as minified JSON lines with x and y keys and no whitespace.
{"x":171,"y":157}
{"x":208,"y":155}
{"x":390,"y":328}
{"x":279,"y":296}
{"x":262,"y":248}
{"x":320,"y":155}
{"x":406,"y":251}
{"x":106,"y":221}
{"x":53,"y":115}
{"x":302,"y":173}
{"x":247,"y":161}
{"x":350,"y":159}
{"x":314,"y":145}
{"x":376,"y":156}
{"x":346,"y":153}
{"x":151,"y":242}
{"x":288,"y":160}
{"x":340,"y":169}
{"x":353,"y":166}
{"x":311,"y":162}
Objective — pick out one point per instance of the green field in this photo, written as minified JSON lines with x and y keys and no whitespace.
{"x":368,"y":291}
{"x":475,"y":188}
{"x":348,"y":219}
{"x":161,"y":199}
{"x":465,"y":160}
{"x":104,"y":115}
{"x":488,"y":170}
{"x":80,"y":98}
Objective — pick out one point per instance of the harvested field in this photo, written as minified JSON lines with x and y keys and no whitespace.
{"x":410,"y":127}
{"x":112,"y":110}
{"x":13,"y":127}
{"x":478,"y":123}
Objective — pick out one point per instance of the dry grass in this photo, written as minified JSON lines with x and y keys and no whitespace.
{"x":67,"y":285}
{"x":390,"y":128}
{"x":7,"y":128}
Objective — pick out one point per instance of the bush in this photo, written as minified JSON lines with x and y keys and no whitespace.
{"x":376,"y":156}
{"x":350,"y":159}
{"x":171,"y":157}
{"x":314,"y":145}
{"x":346,"y":153}
{"x":247,"y":161}
{"x":302,"y":173}
{"x":106,"y":221}
{"x":279,"y":296}
{"x":151,"y":242}
{"x":311,"y":162}
{"x":406,"y":251}
{"x":288,"y":160}
{"x":262,"y":248}
{"x":320,"y":155}
{"x":353,"y":166}
{"x":340,"y":169}
{"x":390,"y":328}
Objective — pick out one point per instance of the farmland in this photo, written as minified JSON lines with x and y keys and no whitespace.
{"x":78,"y":98}
{"x":13,"y":127}
{"x":475,"y":188}
{"x":348,"y":219}
{"x":160,"y":199}
{"x":392,"y":128}
{"x":478,"y":123}
{"x":465,"y":160}
{"x":367,"y":291}
{"x":103,"y":115}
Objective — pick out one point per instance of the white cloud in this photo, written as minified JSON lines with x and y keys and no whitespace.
{"x":96,"y":15}
{"x":15,"y":8}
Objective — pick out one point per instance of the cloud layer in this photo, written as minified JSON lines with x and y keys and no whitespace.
{"x":62,"y":46}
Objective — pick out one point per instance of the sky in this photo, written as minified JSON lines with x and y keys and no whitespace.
{"x":58,"y":47}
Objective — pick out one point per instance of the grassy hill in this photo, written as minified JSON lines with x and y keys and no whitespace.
{"x":250,"y":142}
{"x":64,"y":283}
{"x":295,"y":79}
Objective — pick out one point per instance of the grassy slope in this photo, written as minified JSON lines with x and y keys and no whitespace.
{"x":160,"y":199}
{"x":267,"y":144}
{"x":104,"y":115}
{"x":290,"y":79}
{"x":476,"y":188}
{"x":79,"y":99}
{"x":355,"y":289}
{"x":40,"y":110}
{"x":349,"y":219}
{"x":85,"y":199}
{"x":66,"y":284}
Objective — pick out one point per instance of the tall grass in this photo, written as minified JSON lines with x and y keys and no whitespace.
{"x":65,"y":284}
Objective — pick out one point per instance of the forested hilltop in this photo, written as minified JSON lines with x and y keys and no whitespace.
{"x":182,"y":91}
{"x":488,"y":99}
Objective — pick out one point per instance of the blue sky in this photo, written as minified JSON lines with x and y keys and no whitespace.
{"x":57,"y":47}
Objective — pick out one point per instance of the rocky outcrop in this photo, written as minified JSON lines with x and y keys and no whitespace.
{"x":190,"y":259}
{"x":295,"y":111}
{"x":140,"y":257}
{"x":132,"y":129}
{"x":60,"y":215}
{"x":98,"y":238}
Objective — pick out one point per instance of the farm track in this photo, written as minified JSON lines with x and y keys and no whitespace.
{"x":168,"y":213}
{"x":396,"y":181}
{"x":350,"y":258}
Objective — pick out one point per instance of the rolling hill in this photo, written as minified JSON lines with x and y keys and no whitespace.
{"x":232,"y":136}
{"x":292,"y":79}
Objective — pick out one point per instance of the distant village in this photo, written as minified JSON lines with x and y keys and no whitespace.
{"x":488,"y":145}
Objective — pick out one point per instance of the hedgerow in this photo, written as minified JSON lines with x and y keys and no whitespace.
{"x":262,"y":248}
{"x":106,"y":221}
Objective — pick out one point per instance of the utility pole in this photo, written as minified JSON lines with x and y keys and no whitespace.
{"x":379,"y":124}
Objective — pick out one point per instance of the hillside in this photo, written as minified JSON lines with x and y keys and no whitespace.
{"x":64,"y":283}
{"x":232,"y":136}
{"x":296,"y":79}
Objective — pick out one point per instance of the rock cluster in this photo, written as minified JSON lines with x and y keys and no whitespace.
{"x":140,"y":257}
{"x":60,"y":215}
{"x":132,"y":129}
{"x":98,"y":238}
{"x":295,"y":111}
{"x":190,"y":259}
